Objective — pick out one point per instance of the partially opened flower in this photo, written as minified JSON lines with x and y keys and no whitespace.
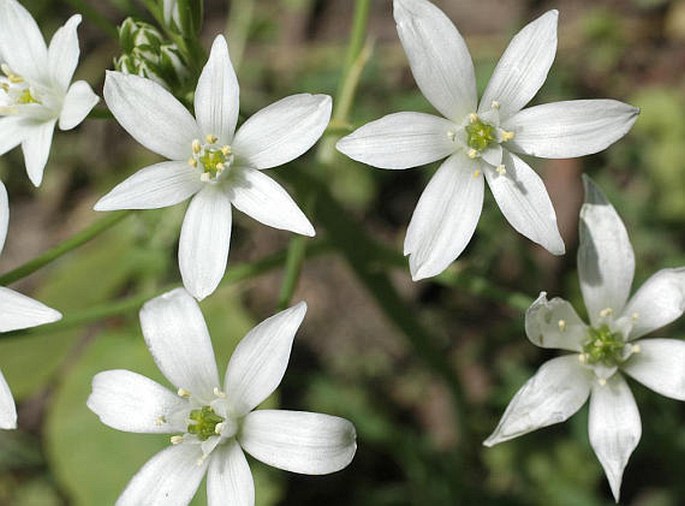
{"x":603,"y":349}
{"x":213,"y":422}
{"x":220,"y":169}
{"x":16,"y":312}
{"x":481,"y":141}
{"x":35,"y":86}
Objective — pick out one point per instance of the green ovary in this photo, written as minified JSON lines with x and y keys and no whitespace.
{"x":203,"y":423}
{"x":603,"y":346}
{"x":480,"y":135}
{"x":213,"y":161}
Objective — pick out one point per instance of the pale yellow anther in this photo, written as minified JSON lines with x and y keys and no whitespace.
{"x":451,"y":135}
{"x":182,"y":392}
{"x":192,"y":162}
{"x":476,"y":173}
{"x":472,"y":153}
{"x":495,"y":104}
{"x":607,"y":311}
{"x":5,"y":87}
{"x":211,"y":139}
{"x":205,"y":177}
{"x":11,"y":76}
{"x":226,"y":150}
{"x":219,"y":393}
{"x":220,"y":167}
{"x":197,"y":147}
{"x":218,"y":428}
{"x":562,"y":325}
{"x":635,"y":316}
{"x":636,"y":348}
{"x":582,"y":358}
{"x":501,"y":170}
{"x":176,"y":440}
{"x":473,"y":117}
{"x":161,"y":420}
{"x":507,"y":135}
{"x":602,"y":382}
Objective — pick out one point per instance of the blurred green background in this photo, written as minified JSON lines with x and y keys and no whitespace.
{"x":356,"y":354}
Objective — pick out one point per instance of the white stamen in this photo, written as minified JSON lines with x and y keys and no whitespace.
{"x":607,"y":311}
{"x":602,"y":382}
{"x":472,"y":153}
{"x":176,"y":440}
{"x":219,"y":393}
{"x":501,"y":170}
{"x":495,"y":104}
{"x":182,"y":392}
{"x":562,"y":325}
{"x":473,"y":117}
{"x":507,"y":135}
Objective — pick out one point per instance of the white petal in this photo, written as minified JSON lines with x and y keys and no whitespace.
{"x":445,"y":217}
{"x":298,"y":441}
{"x":170,"y":478}
{"x":400,"y":141}
{"x":614,"y":427}
{"x":204,"y":243}
{"x":229,"y":480}
{"x":522,"y":197}
{"x":658,"y":302}
{"x":160,"y":185}
{"x":151,"y":115}
{"x":128,"y":401}
{"x":260,"y":359}
{"x":18,"y":311}
{"x":21,"y":42}
{"x":217,"y":95}
{"x":36,"y":147}
{"x":262,"y":198}
{"x":78,"y":102}
{"x":554,"y":324}
{"x":177,"y":336}
{"x":282,"y":131}
{"x":13,"y":130}
{"x":559,"y":389}
{"x":570,"y":129}
{"x":8,"y":410}
{"x":438,"y":57}
{"x":523,"y":67}
{"x":660,"y":365}
{"x":606,"y":262}
{"x":63,"y":52}
{"x":4,"y":215}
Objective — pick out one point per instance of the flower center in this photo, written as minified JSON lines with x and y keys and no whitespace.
{"x":604,"y":347}
{"x":16,"y":89}
{"x":203,"y":423}
{"x":212,"y":158}
{"x":479,"y":135}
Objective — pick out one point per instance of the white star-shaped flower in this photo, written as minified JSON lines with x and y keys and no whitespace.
{"x":35,"y":89}
{"x":480,"y":141}
{"x":214,"y":422}
{"x":210,"y":163}
{"x":603,"y":349}
{"x":16,"y":312}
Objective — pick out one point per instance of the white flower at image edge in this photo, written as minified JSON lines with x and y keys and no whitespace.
{"x":213,"y":422}
{"x":606,"y":348}
{"x":481,"y":141}
{"x":16,"y":312}
{"x":35,"y":89}
{"x":218,"y":168}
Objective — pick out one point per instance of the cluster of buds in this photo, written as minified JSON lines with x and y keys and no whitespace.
{"x":146,"y":53}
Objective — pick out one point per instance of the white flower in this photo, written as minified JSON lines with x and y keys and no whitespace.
{"x":480,"y":141}
{"x":213,"y":422}
{"x":35,"y":90}
{"x":605,"y":348}
{"x":221,"y":169}
{"x":16,"y":312}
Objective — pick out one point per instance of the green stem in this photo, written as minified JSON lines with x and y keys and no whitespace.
{"x":238,"y":28}
{"x":297,"y":251}
{"x":63,"y":248}
{"x":95,"y":16}
{"x":125,"y":306}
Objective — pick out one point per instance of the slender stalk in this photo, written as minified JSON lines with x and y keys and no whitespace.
{"x":95,"y":16}
{"x":63,"y":248}
{"x":128,"y":305}
{"x":238,"y":28}
{"x":297,"y":250}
